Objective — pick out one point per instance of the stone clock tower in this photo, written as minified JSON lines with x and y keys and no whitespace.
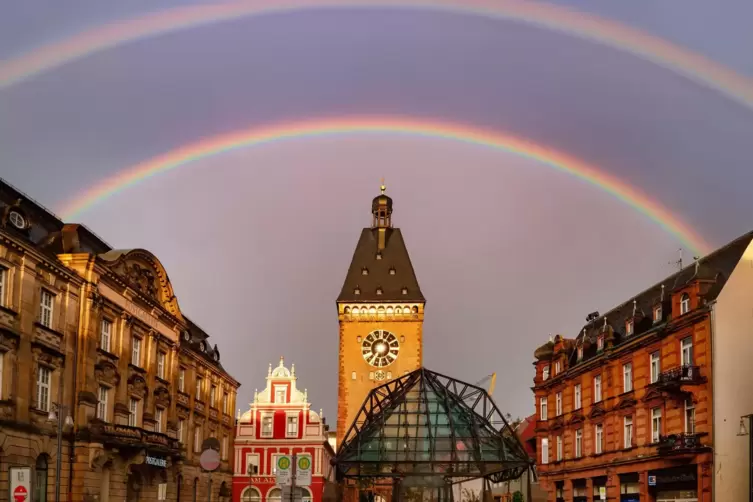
{"x":381,"y":312}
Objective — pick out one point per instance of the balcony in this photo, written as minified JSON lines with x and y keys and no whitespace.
{"x":680,"y":443}
{"x":125,"y":436}
{"x":675,"y":378}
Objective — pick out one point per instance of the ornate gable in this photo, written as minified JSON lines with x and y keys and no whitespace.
{"x":143,"y":272}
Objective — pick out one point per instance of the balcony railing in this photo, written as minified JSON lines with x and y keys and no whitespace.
{"x":125,"y":435}
{"x":681,"y":375}
{"x":680,"y":443}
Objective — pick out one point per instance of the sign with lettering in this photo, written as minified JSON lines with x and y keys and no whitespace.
{"x":284,"y":467}
{"x":20,"y":483}
{"x":652,"y":481}
{"x":137,"y":312}
{"x":156,"y":461}
{"x":255,"y":480}
{"x":303,"y":470}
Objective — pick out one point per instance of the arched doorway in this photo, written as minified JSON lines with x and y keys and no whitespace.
{"x":40,"y":479}
{"x":133,"y":486}
{"x":251,"y":494}
{"x":179,"y":485}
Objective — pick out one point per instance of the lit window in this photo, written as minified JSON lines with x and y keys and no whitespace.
{"x":689,"y":416}
{"x":45,"y":308}
{"x":600,"y":342}
{"x":161,"y":365}
{"x":102,"y":403}
{"x":597,"y":388}
{"x":212,"y":395}
{"x":104,"y":338}
{"x":629,"y":327}
{"x":655,"y":366}
{"x":559,"y":448}
{"x":133,"y":412}
{"x":267,"y":426}
{"x":655,"y":425}
{"x":43,"y":388}
{"x":686,"y":346}
{"x":159,"y":416}
{"x":162,"y":491}
{"x":292,"y":429}
{"x":136,"y":351}
{"x":684,"y":303}
{"x":598,"y":438}
{"x":544,"y":450}
{"x":280,"y":393}
{"x":579,"y":443}
{"x":197,"y":439}
{"x":543,"y":408}
{"x":364,"y":271}
{"x":199,"y":385}
{"x":627,"y":377}
{"x":657,"y":314}
{"x":558,"y":404}
{"x":182,"y":379}
{"x":628,"y":432}
{"x":577,"y":400}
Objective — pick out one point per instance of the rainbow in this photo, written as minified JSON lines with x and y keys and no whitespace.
{"x":539,"y":14}
{"x":212,"y":146}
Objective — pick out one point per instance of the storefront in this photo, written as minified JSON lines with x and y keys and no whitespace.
{"x":579,"y":490}
{"x":600,"y":488}
{"x":630,"y":488}
{"x":679,"y":484}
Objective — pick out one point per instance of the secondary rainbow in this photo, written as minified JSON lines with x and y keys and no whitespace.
{"x":216,"y":145}
{"x":659,"y":51}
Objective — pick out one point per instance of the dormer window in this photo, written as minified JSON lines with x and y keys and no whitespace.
{"x":379,"y":291}
{"x":404,"y":291}
{"x":600,"y":342}
{"x":357,"y":291}
{"x":580,"y":353}
{"x":629,"y":327}
{"x":379,"y":256}
{"x":557,"y":367}
{"x":17,"y":219}
{"x":657,"y":313}
{"x":364,"y":271}
{"x":545,"y":373}
{"x":684,"y":303}
{"x":392,"y":271}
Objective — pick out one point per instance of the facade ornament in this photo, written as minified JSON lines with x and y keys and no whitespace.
{"x":605,"y":323}
{"x":305,"y":395}
{"x":256,"y":395}
{"x":662,"y":292}
{"x":321,"y":413}
{"x":97,"y":301}
{"x":292,"y":369}
{"x":635,"y":306}
{"x":269,"y":372}
{"x":128,"y":318}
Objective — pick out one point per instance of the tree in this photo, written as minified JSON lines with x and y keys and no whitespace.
{"x":468,"y":495}
{"x":517,"y":496}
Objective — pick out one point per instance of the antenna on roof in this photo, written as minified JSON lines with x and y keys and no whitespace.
{"x":678,"y":263}
{"x":662,"y":292}
{"x":635,"y":307}
{"x":605,"y":322}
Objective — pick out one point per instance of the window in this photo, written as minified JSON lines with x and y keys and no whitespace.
{"x":558,"y":404}
{"x":182,"y":379}
{"x":580,"y":353}
{"x":197,"y":439}
{"x":629,"y":326}
{"x":544,"y":450}
{"x":280,"y":394}
{"x":686,"y":346}
{"x":655,"y":425}
{"x":212,"y":395}
{"x":2,"y":357}
{"x":40,"y":479}
{"x":543,"y":408}
{"x":43,"y":388}
{"x":274,"y":471}
{"x":252,"y":464}
{"x":45,"y":308}
{"x":657,"y":314}
{"x":133,"y":412}
{"x":159,"y":417}
{"x":557,"y":367}
{"x":3,"y":281}
{"x":545,"y":373}
{"x":224,"y":403}
{"x":250,"y":494}
{"x":136,"y":351}
{"x":597,"y":388}
{"x":105,"y":335}
{"x":598,"y":438}
{"x":684,"y":304}
{"x":199,"y":385}
{"x":627,"y":377}
{"x":102,"y":403}
{"x":161,"y":365}
{"x":559,"y":448}
{"x":600,"y":342}
{"x":579,"y":443}
{"x":577,"y":400}
{"x":181,"y":430}
{"x":689,"y":416}
{"x":162,"y":491}
{"x":267,"y":426}
{"x":628,"y":432}
{"x":655,"y":366}
{"x":224,"y":447}
{"x":292,"y":429}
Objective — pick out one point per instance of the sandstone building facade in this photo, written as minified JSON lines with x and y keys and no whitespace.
{"x":97,"y":335}
{"x":644,"y":404}
{"x":380,"y":312}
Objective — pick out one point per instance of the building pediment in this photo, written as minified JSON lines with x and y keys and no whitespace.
{"x":143,"y":272}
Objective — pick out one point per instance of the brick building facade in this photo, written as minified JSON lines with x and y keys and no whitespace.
{"x":97,"y":335}
{"x":633,"y":407}
{"x":279,"y":421}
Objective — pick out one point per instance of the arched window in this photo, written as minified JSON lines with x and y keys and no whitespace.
{"x":305,"y":494}
{"x":251,"y":494}
{"x":684,"y":303}
{"x":195,"y":489}
{"x":40,"y":479}
{"x":275,"y":494}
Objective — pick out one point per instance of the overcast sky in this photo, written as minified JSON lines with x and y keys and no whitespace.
{"x":507,"y":251}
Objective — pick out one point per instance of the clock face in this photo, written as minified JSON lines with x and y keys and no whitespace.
{"x":380,"y":348}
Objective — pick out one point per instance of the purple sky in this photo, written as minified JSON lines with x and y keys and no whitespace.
{"x":506,"y":250}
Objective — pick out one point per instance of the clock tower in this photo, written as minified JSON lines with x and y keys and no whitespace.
{"x":380,"y":311}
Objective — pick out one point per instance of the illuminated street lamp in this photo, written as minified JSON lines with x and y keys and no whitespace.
{"x":57,"y":412}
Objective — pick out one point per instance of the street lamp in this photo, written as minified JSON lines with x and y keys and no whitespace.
{"x":57,"y":412}
{"x":746,"y":431}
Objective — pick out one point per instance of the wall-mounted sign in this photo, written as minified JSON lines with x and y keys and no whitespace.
{"x":137,"y":312}
{"x":303,"y":470}
{"x":20,"y":483}
{"x":284,"y":468}
{"x":652,"y":481}
{"x":156,"y":461}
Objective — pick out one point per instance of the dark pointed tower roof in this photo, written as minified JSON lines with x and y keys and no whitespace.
{"x":381,"y":269}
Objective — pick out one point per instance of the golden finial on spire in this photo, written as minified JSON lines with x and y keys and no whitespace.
{"x":382,"y":187}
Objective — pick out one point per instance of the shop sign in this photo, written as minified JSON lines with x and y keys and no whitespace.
{"x":652,"y":481}
{"x":20,"y":483}
{"x":156,"y":461}
{"x":671,"y":477}
{"x":261,"y":481}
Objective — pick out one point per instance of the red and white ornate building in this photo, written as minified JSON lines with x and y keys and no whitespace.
{"x":279,"y":421}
